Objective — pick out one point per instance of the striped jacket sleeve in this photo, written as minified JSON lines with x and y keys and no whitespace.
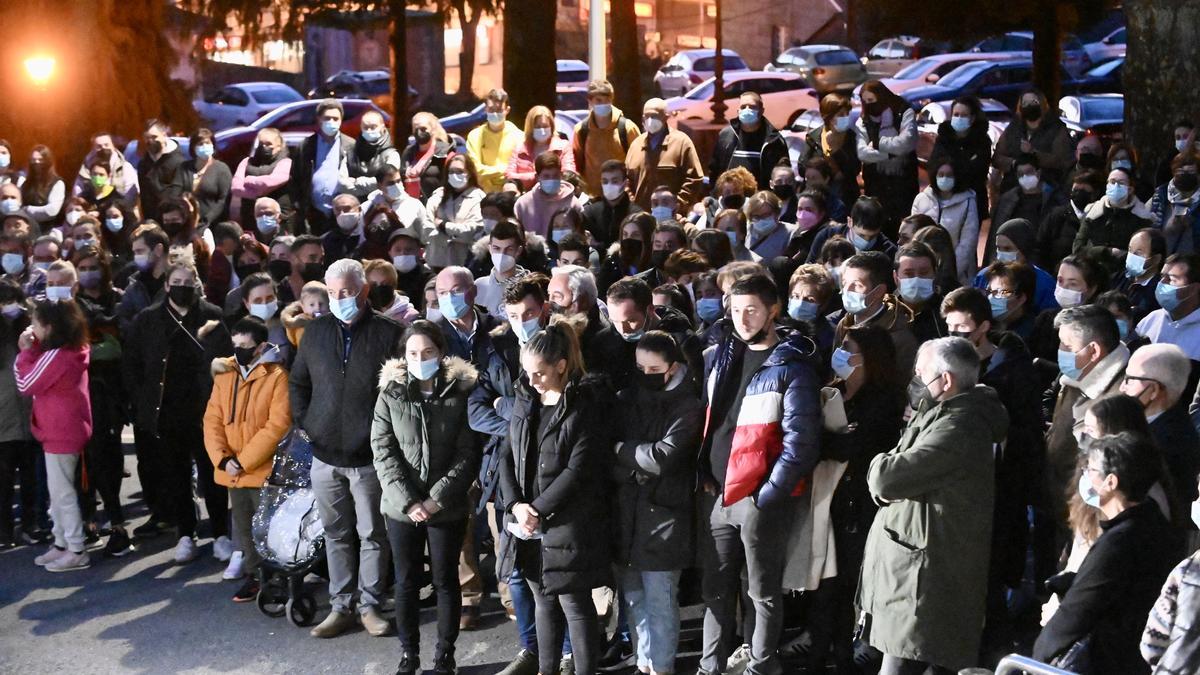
{"x":1161,"y":621}
{"x":36,"y":370}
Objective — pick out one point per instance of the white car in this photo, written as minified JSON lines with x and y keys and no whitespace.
{"x":237,"y":105}
{"x":690,"y":67}
{"x":1110,"y":46}
{"x":572,"y":71}
{"x":785,"y":96}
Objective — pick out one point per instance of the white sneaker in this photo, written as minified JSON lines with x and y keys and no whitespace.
{"x":69,"y":561}
{"x":738,"y":661}
{"x":222,"y":548}
{"x":234,"y":569}
{"x":185,"y":550}
{"x":53,"y":553}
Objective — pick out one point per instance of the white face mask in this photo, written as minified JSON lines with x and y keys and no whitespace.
{"x":73,"y":217}
{"x":1028,"y":182}
{"x":489,"y":224}
{"x":653,"y":125}
{"x":265,"y":310}
{"x":457,"y":181}
{"x":540,"y":134}
{"x":393,"y":191}
{"x":503,"y":262}
{"x":404,"y":263}
{"x":348,"y":222}
{"x":1067,"y":297}
{"x":58,"y":293}
{"x":611,"y":190}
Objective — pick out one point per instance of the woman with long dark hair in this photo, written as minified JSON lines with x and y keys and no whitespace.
{"x":963,"y":140}
{"x":629,"y":255}
{"x":887,"y":146}
{"x":43,"y":192}
{"x":211,"y":179}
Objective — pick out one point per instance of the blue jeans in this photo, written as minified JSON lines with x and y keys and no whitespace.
{"x":523,"y":608}
{"x":653,"y":605}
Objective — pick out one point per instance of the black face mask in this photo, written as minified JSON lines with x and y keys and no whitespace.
{"x":244,"y":355}
{"x":657,"y":258}
{"x":1081,"y":198}
{"x":874,"y":109}
{"x":1031,"y":113}
{"x":964,"y":334}
{"x":732,"y":201}
{"x":652,"y":381}
{"x":313,"y":271}
{"x":918,"y":393}
{"x":422,"y":137}
{"x":279,"y":269}
{"x":182,"y":296}
{"x":381,"y":297}
{"x":753,"y":339}
{"x":784,"y":191}
{"x":244,"y":271}
{"x":263,"y":155}
{"x":173,"y":229}
{"x":631,"y":249}
{"x":1091,"y":161}
{"x":1187,"y":181}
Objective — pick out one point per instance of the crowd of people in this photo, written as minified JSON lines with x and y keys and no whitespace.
{"x":870,"y":426}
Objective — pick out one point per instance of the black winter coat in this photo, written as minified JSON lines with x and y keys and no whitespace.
{"x":574,"y":462}
{"x":333,"y":396}
{"x":1056,"y":236}
{"x":603,"y":220}
{"x":167,"y":177}
{"x":771,"y":151}
{"x":1180,"y":444}
{"x":655,"y":473}
{"x":971,"y":156}
{"x":614,"y":356}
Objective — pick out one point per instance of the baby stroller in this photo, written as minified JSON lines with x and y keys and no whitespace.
{"x":288,"y":534}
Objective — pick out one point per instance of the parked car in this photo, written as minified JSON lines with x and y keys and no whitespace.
{"x":1003,"y":81}
{"x":462,"y":123}
{"x":573,"y":97}
{"x":1108,"y":47}
{"x":1103,"y":78}
{"x":572,"y":71}
{"x":1101,"y":115}
{"x":239,"y":104}
{"x":930,"y":117}
{"x":932,"y":68}
{"x":825,"y":68}
{"x":890,"y":55}
{"x":1074,"y":56}
{"x":690,"y":67}
{"x":796,"y":132}
{"x":785,"y":95}
{"x":372,"y":85}
{"x":296,"y":121}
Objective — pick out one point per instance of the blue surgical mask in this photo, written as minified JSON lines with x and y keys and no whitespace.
{"x":1006,"y":256}
{"x":453,"y":305}
{"x":267,"y":224}
{"x":329,"y":127}
{"x":854,"y":302}
{"x":559,"y":235}
{"x":602,"y":109}
{"x":114,"y":224}
{"x":841,"y":123}
{"x":999,"y":307}
{"x":635,"y":335}
{"x":526,"y":329}
{"x":1123,"y":328}
{"x":204,"y":151}
{"x":841,"y":363}
{"x":662,"y":212}
{"x":12,"y":263}
{"x":861,"y":243}
{"x":748,"y":116}
{"x":916,"y":289}
{"x":1116,"y":193}
{"x":709,"y":309}
{"x":1087,"y":492}
{"x":960,"y":124}
{"x":732,"y":237}
{"x":371,"y":135}
{"x":802,"y":310}
{"x":762,"y":225}
{"x":1135,"y":265}
{"x":945,"y":183}
{"x":345,"y":309}
{"x":495,"y":118}
{"x":423,"y":370}
{"x":1066,"y":364}
{"x":1168,"y":296}
{"x":550,"y":186}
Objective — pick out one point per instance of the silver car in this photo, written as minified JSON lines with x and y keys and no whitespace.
{"x":826,"y":68}
{"x":690,"y":67}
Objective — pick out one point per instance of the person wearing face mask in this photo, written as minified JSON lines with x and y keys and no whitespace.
{"x":916,"y":287}
{"x":811,"y":217}
{"x":265,"y":173}
{"x":166,"y":359}
{"x":211,"y":179}
{"x":952,"y":205}
{"x":1176,"y":205}
{"x":373,"y":150}
{"x":602,"y":217}
{"x":750,"y":141}
{"x":865,"y":284}
{"x":491,"y":145}
{"x":163,"y":170}
{"x":15,"y":252}
{"x":383,"y":296}
{"x":180,"y":222}
{"x":1125,"y":568}
{"x":222,"y":272}
{"x":343,"y":240}
{"x":534,"y":208}
{"x":945,"y":458}
{"x":1143,"y":265}
{"x":604,"y":134}
{"x":766,"y":237}
{"x":99,"y":189}
{"x":261,"y":301}
{"x":663,"y":157}
{"x":963,"y":141}
{"x":9,"y":174}
{"x":1056,"y":232}
{"x":1015,"y":242}
{"x":118,"y":172}
{"x":149,"y":245}
{"x":1178,"y":294}
{"x":886,"y":144}
{"x":318,"y":169}
{"x":834,"y":142}
{"x":730,"y":191}
{"x":1034,"y":130}
{"x":1123,"y":155}
{"x":1080,"y":279}
{"x":409,"y":211}
{"x":667,"y":238}
{"x":505,"y":246}
{"x":812,"y":297}
{"x":412,"y":274}
{"x":1031,"y":199}
{"x":453,"y":221}
{"x":540,"y":138}
{"x":631,"y":313}
{"x":425,"y":484}
{"x":655,"y":474}
{"x":19,"y":452}
{"x":10,"y":202}
{"x":874,"y":404}
{"x":864,"y":229}
{"x":423,"y":162}
{"x":332,"y":388}
{"x":43,"y":191}
{"x":1108,"y":224}
{"x":1183,"y":140}
{"x":247,"y":415}
{"x":464,"y":321}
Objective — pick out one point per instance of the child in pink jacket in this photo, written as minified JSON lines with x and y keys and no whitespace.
{"x":52,"y":369}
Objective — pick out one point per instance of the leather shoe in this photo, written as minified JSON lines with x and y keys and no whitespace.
{"x":334,"y":625}
{"x":373,"y":621}
{"x":469,"y":620}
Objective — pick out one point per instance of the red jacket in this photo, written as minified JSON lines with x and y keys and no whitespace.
{"x":57,"y":380}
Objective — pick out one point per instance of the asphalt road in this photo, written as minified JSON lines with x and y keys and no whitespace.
{"x":144,"y":614}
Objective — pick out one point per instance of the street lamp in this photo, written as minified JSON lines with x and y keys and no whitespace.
{"x":40,"y":69}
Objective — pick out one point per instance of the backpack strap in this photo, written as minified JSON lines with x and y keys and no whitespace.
{"x":622,"y":134}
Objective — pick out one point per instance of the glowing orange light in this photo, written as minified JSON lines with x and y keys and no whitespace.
{"x":40,"y":68}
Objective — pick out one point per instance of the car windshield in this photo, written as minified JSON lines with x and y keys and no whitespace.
{"x":1103,"y":108}
{"x":702,"y":92}
{"x":963,"y":74}
{"x":708,"y":63}
{"x":914,"y":70}
{"x":279,"y":95}
{"x":839,"y":57}
{"x":571,"y":100}
{"x":572,"y":76}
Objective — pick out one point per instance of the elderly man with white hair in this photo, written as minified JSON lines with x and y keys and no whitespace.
{"x":332,"y":387}
{"x":268,"y":218}
{"x":936,"y":489}
{"x":342,"y":241}
{"x":572,"y":291}
{"x":1156,"y":376}
{"x":663,"y":156}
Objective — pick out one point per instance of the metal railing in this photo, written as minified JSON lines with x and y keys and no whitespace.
{"x":1015,"y":663}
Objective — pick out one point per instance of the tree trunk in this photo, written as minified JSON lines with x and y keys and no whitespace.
{"x":1047,"y":54}
{"x":1159,"y":76}
{"x":529,"y":67}
{"x":401,"y":120}
{"x":628,"y":83}
{"x":466,"y":55}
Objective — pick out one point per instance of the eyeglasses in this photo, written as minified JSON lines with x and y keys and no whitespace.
{"x":1001,"y":293}
{"x":1137,"y":378}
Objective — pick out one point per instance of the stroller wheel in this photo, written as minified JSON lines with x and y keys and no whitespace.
{"x":269,"y":602}
{"x":301,"y":610}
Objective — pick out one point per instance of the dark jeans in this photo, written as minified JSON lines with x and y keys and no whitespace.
{"x":18,"y":458}
{"x":831,"y":622}
{"x":102,"y":470}
{"x":525,"y":609}
{"x":408,"y":555}
{"x":895,"y":665}
{"x":149,"y":471}
{"x":580,"y":618}
{"x":178,"y":445}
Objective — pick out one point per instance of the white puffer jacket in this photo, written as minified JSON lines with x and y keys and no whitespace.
{"x":959,"y":214}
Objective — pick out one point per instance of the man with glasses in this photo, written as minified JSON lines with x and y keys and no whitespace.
{"x":663,"y":157}
{"x":1157,"y":376}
